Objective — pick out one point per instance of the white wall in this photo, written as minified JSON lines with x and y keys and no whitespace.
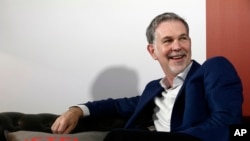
{"x":55,"y":53}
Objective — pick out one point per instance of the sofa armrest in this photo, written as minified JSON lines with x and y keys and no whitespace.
{"x":15,"y":121}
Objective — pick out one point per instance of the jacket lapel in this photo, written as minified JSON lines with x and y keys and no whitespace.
{"x":146,"y":99}
{"x":193,"y":68}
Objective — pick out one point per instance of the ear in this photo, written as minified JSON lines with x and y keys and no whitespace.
{"x":151,"y":51}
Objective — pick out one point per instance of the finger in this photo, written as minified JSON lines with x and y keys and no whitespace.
{"x":69,"y":129}
{"x":54,"y":127}
{"x":61,"y":129}
{"x":58,"y":127}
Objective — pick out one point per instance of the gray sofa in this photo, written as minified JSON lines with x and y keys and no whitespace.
{"x":15,"y":126}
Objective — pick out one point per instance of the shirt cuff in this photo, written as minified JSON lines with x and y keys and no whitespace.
{"x":85,"y":109}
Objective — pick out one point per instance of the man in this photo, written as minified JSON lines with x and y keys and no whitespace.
{"x":191,"y":101}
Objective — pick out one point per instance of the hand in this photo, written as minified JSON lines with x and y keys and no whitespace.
{"x":66,"y":122}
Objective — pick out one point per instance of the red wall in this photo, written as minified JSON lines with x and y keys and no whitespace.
{"x":228,"y":34}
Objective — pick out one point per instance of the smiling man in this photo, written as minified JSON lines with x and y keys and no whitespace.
{"x":171,"y":47}
{"x":191,"y":102}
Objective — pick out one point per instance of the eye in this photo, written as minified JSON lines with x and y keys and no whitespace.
{"x":167,"y":40}
{"x":184,"y":38}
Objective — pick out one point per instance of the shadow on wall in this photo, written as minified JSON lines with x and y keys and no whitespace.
{"x":115,"y":82}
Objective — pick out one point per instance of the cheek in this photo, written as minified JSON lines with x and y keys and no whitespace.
{"x":188,"y":47}
{"x":162,"y":55}
{"x":164,"y":52}
{"x":188,"y":50}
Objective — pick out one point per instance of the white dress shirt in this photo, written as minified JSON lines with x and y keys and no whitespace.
{"x":164,"y":104}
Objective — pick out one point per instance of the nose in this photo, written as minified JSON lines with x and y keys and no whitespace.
{"x":176,"y":46}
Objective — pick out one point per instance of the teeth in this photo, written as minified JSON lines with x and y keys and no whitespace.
{"x":177,"y":57}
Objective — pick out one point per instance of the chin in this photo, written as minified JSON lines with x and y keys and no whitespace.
{"x":178,"y":69}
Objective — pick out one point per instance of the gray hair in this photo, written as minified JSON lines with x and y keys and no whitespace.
{"x":150,"y":32}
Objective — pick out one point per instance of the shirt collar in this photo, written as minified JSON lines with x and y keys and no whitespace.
{"x":178,"y":80}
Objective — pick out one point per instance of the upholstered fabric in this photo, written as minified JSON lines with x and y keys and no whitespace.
{"x":41,"y":136}
{"x":16,"y":121}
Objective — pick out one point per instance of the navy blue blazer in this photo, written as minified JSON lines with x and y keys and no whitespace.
{"x":209,"y":101}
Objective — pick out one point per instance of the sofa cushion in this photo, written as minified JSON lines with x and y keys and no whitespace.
{"x":42,"y":136}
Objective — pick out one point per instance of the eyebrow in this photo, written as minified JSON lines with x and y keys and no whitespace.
{"x":169,"y":37}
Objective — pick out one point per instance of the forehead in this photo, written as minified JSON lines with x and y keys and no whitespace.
{"x":171,"y":28}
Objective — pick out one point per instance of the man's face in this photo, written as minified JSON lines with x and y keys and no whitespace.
{"x":171,"y":47}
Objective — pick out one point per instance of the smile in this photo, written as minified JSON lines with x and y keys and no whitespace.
{"x":177,"y":57}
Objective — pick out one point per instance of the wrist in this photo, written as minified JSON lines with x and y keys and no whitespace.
{"x":76,"y":110}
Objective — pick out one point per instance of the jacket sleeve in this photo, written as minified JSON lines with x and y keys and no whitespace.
{"x":224,"y":92}
{"x":123,"y":107}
